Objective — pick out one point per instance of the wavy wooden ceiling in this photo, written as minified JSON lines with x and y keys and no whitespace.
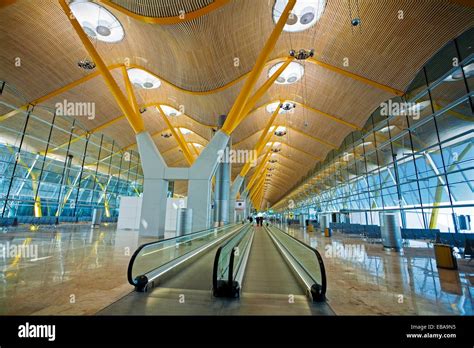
{"x":198,"y":56}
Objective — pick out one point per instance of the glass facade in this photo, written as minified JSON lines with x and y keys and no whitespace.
{"x":415,"y":154}
{"x":50,"y":165}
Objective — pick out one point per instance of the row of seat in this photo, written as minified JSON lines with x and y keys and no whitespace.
{"x":48,"y":220}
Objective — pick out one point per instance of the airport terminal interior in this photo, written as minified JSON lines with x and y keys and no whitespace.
{"x":237,"y":157}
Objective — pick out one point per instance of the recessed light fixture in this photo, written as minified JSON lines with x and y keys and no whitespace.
{"x":185,"y":131}
{"x":287,"y":105}
{"x":304,"y":15}
{"x":97,"y":22}
{"x":198,"y":145}
{"x":293,"y":72}
{"x":166,"y":135}
{"x":280,"y":131}
{"x":143,"y":79}
{"x":170,"y":111}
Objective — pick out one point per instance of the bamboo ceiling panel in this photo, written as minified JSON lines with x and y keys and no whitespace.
{"x":198,"y":56}
{"x":162,"y":8}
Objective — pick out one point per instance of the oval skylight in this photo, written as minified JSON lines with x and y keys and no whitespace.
{"x":97,"y":22}
{"x":293,"y":72}
{"x":275,"y":143}
{"x":143,"y":79}
{"x":304,"y":15}
{"x":170,"y":111}
{"x":185,"y":131}
{"x":280,"y":129}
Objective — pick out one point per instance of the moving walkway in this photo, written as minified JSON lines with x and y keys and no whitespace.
{"x":268,"y":260}
{"x":255,"y":264}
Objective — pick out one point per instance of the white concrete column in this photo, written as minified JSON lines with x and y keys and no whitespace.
{"x":155,"y":188}
{"x":234,"y":190}
{"x":200,"y":175}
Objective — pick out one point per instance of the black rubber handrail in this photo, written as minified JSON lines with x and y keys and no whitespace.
{"x":231,"y":261}
{"x":135,"y":254}
{"x":319,"y":258}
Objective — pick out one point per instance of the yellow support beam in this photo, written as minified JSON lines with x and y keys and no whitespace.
{"x":182,"y":144}
{"x":135,"y":120}
{"x":195,"y":150}
{"x":253,"y":191}
{"x":132,"y":99}
{"x":258,"y":169}
{"x":264,"y":138}
{"x":262,"y":90}
{"x":241,"y":101}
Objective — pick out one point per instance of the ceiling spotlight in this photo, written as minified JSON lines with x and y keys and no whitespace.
{"x":275,"y":150}
{"x":142,"y":110}
{"x":304,"y":15}
{"x":288,"y":106}
{"x":97,"y":22}
{"x":355,"y":22}
{"x":86,"y":64}
{"x":302,"y":54}
{"x":273,"y":106}
{"x":273,"y":161}
{"x":166,"y":135}
{"x":280,"y":131}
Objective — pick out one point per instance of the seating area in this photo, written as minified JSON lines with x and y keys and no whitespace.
{"x":49,"y":220}
{"x":33,"y":220}
{"x":8,"y":221}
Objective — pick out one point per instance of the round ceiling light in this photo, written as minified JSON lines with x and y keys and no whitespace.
{"x":170,"y":111}
{"x":304,"y":15}
{"x":97,"y":22}
{"x":143,"y":79}
{"x":287,"y":106}
{"x":280,"y":131}
{"x":198,"y":145}
{"x":293,"y":72}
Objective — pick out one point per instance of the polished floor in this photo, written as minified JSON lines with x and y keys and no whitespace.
{"x":364,"y":279}
{"x":63,"y":270}
{"x":76,"y":270}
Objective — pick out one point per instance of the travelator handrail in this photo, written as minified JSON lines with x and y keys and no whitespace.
{"x":141,"y":278}
{"x":302,"y":264}
{"x":227,"y":279}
